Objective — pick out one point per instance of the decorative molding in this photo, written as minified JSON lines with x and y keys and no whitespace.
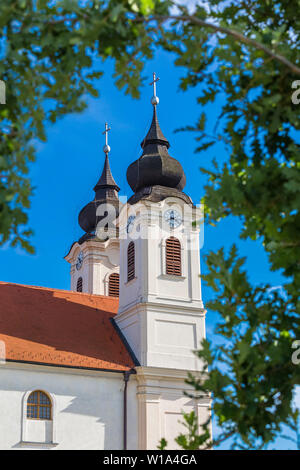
{"x":176,"y":309}
{"x":38,"y":444}
{"x":173,"y":277}
{"x":60,"y":368}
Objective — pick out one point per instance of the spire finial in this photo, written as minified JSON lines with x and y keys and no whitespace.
{"x":154,"y":99}
{"x":106,"y":148}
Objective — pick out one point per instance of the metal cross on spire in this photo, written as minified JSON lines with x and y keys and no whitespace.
{"x":154,"y":99}
{"x":106,"y":148}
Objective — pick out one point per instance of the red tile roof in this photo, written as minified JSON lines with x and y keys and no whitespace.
{"x":63,"y":328}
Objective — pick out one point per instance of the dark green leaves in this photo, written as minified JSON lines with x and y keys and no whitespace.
{"x":258,"y":325}
{"x":48,"y":54}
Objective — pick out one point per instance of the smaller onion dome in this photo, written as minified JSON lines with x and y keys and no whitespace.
{"x":106,"y":194}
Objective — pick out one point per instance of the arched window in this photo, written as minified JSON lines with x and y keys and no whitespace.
{"x":130,"y":262}
{"x":79,"y":284}
{"x":113,"y":285}
{"x":173,"y":256}
{"x":39,"y":406}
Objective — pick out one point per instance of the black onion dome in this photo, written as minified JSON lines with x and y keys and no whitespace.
{"x":155,"y":166}
{"x":106,"y":192}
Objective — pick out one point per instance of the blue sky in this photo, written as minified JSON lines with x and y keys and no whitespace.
{"x":70,"y":162}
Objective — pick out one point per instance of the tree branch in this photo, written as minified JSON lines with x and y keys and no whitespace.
{"x":231,"y":32}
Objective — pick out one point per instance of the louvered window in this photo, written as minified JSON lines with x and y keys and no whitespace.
{"x":173,"y":256}
{"x":113,"y":285}
{"x":79,"y":284}
{"x":130,"y":262}
{"x":38,"y":406}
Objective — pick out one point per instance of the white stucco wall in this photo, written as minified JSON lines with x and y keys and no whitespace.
{"x":87,"y":408}
{"x":100,"y":259}
{"x":161,"y":401}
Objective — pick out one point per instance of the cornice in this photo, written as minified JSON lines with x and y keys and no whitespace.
{"x":60,"y":369}
{"x":164,"y":308}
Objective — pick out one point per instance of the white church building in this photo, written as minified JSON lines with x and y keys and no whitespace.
{"x":103,"y":366}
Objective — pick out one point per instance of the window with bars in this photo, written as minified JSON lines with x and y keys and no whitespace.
{"x":113,"y":285}
{"x":79,"y":284}
{"x":130,"y":262}
{"x":173,"y":256}
{"x":39,"y":406}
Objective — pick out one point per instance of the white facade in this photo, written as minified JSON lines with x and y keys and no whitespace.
{"x":162,"y":315}
{"x":160,"y":405}
{"x":87,"y":408}
{"x":149,"y":233}
{"x":99,"y":260}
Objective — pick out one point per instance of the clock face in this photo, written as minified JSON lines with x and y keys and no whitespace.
{"x":130,"y":223}
{"x":173,"y":218}
{"x":79,"y":261}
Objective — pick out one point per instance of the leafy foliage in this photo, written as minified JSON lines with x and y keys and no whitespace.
{"x":246,"y":52}
{"x":193,"y":440}
{"x":251,"y":374}
{"x":258,"y":122}
{"x":163,"y":444}
{"x":48,"y":52}
{"x":294,"y":424}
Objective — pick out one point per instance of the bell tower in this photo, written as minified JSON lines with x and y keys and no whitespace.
{"x":161,"y":313}
{"x":95,"y":257}
{"x":160,"y":308}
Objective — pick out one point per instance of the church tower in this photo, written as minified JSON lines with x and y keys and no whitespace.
{"x":94,"y":258}
{"x":161,"y":313}
{"x":160,"y":308}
